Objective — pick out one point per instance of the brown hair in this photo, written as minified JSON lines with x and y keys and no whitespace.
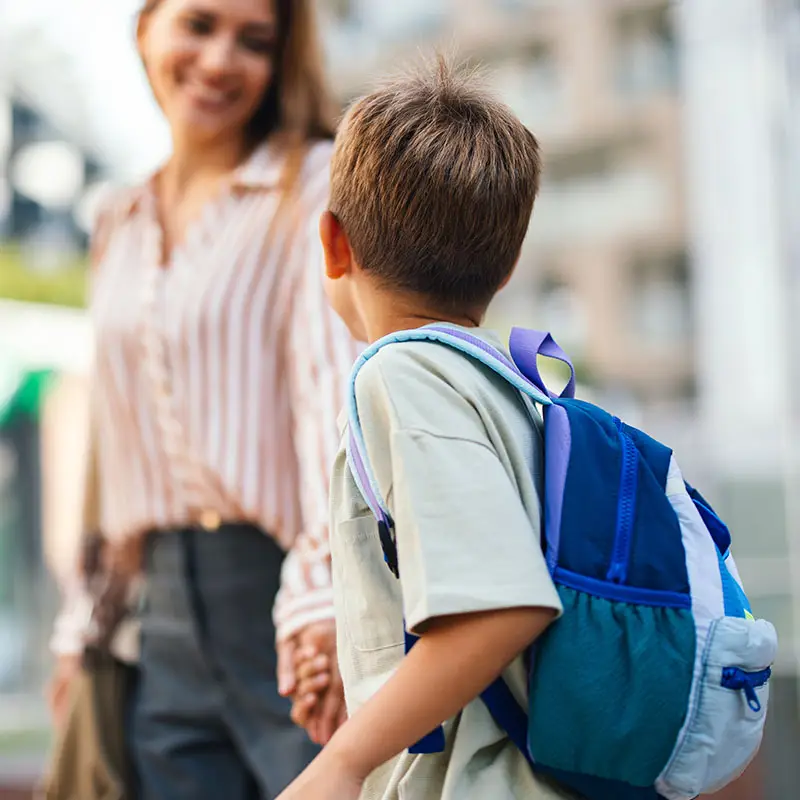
{"x":297,"y":107}
{"x":434,"y":181}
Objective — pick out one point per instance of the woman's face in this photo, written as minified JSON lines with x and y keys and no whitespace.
{"x":210,"y":62}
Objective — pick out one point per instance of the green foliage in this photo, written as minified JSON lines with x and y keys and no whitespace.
{"x":63,"y":287}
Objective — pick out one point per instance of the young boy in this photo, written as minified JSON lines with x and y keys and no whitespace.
{"x":433,"y":184}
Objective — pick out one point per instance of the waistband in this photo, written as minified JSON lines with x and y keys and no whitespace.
{"x":219,"y":526}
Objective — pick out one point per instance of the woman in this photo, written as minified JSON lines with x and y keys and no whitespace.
{"x":219,"y":372}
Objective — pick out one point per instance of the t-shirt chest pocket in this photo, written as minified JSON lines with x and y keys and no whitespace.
{"x":372,"y":599}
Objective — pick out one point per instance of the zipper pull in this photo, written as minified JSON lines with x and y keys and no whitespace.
{"x":616,"y":573}
{"x":739,"y":680}
{"x":752,"y":697}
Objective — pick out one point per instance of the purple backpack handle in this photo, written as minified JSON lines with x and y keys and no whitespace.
{"x":526,"y":345}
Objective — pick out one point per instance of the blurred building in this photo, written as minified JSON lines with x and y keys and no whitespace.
{"x":606,"y":262}
{"x":664,"y":248}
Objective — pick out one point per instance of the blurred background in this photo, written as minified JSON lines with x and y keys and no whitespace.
{"x":664,"y":254}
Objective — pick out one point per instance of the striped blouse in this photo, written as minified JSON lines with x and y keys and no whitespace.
{"x":219,"y":378}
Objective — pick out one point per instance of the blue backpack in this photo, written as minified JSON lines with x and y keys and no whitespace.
{"x":654,"y":682}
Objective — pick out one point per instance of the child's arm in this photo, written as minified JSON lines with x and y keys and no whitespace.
{"x":451,"y":664}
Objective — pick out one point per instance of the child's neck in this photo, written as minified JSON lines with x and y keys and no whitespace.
{"x":402,"y":315}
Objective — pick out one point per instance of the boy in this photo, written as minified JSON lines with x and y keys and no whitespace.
{"x":432,"y":188}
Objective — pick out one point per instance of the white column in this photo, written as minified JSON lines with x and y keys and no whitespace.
{"x":734,"y":89}
{"x":729,"y":91}
{"x":787,"y":33}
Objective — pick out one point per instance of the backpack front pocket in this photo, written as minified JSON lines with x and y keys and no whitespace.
{"x":372,"y":602}
{"x":727,"y":711}
{"x":613,"y":707}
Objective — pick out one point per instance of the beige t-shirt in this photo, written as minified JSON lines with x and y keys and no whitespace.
{"x":459,"y":463}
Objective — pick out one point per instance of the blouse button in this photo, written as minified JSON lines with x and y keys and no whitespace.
{"x":210,"y":520}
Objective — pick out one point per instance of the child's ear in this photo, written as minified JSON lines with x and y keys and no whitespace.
{"x":338,"y":255}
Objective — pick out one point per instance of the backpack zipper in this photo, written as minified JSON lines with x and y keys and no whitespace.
{"x":618,"y":569}
{"x":740,"y":680}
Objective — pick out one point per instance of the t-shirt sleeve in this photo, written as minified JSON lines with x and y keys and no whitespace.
{"x":466,"y":542}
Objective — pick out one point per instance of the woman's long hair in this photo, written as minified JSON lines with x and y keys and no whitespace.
{"x":297,"y":108}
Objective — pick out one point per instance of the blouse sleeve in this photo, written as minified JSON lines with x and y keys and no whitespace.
{"x":73,"y":619}
{"x":320,"y":355}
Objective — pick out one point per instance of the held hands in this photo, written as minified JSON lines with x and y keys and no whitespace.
{"x":308,"y":672}
{"x":319,"y":698}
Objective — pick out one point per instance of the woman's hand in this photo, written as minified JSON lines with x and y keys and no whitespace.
{"x":60,"y":685}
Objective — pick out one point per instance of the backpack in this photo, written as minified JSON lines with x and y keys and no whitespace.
{"x":654,"y":682}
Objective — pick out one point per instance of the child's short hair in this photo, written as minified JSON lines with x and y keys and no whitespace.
{"x":433,"y":181}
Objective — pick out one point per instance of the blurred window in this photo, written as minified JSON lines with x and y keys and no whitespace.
{"x":659,"y":299}
{"x":560,"y":308}
{"x":646,"y":52}
{"x":342,"y":10}
{"x":530,"y":82}
{"x":524,"y":5}
{"x":600,"y":193}
{"x":398,"y":21}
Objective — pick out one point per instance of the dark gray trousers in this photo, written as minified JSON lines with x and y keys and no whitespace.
{"x":206,"y":719}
